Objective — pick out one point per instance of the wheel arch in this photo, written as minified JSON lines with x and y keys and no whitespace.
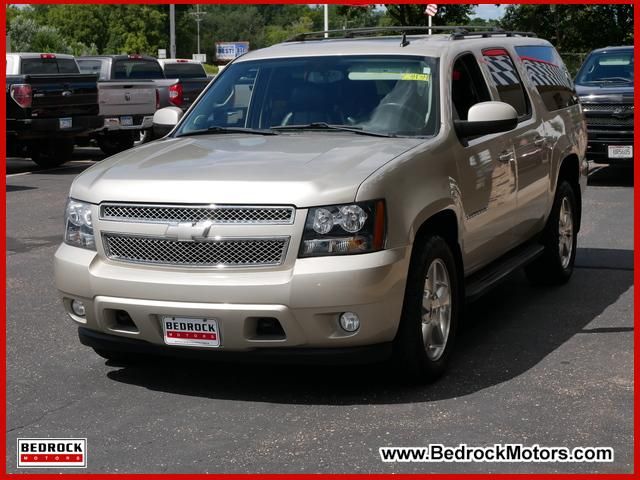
{"x":446,"y":224}
{"x":570,"y":171}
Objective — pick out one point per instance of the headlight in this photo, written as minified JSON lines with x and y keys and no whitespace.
{"x":78,"y":225}
{"x":344,"y":229}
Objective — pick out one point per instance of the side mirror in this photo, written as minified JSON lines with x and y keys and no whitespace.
{"x":165,"y":119}
{"x":485,"y":118}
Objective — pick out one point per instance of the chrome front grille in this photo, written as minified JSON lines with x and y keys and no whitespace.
{"x":217,"y":214}
{"x":608,"y":107}
{"x":609,"y":122}
{"x":229,"y":252}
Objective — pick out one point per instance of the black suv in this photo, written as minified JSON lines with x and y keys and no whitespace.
{"x":605,"y":86}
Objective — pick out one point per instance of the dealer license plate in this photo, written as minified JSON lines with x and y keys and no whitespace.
{"x":192,"y":332}
{"x":65,"y":123}
{"x":126,"y":121}
{"x":620,"y":151}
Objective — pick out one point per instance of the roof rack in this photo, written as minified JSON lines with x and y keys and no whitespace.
{"x":490,"y":33}
{"x":457,"y":32}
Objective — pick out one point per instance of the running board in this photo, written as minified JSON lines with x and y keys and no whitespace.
{"x":478,"y":283}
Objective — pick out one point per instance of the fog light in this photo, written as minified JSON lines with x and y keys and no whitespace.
{"x":77,"y":307}
{"x":349,"y":322}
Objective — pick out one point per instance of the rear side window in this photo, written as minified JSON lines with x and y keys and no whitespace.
{"x":140,"y":69}
{"x":48,"y":65}
{"x":184,"y":70}
{"x":550,"y":76}
{"x":90,"y":66}
{"x":506,"y":79}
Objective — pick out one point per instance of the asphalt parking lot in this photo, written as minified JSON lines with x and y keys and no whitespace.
{"x":548,"y":366}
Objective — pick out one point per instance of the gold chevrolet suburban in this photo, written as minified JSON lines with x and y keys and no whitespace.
{"x":336,"y":199}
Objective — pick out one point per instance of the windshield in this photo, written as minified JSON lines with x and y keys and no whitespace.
{"x":394,"y":95}
{"x":615,"y":66}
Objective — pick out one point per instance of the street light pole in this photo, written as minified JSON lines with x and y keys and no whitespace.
{"x":172,"y":31}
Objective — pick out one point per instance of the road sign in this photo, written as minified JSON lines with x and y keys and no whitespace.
{"x":227,"y":51}
{"x":199,"y":57}
{"x":162,"y":53}
{"x":431,"y":9}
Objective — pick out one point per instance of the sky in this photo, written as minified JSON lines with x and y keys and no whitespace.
{"x":489,"y":11}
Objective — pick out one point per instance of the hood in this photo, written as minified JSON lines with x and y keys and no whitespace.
{"x":301,"y":169}
{"x":605,"y":93}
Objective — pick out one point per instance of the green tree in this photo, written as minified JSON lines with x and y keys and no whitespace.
{"x":410,"y":14}
{"x":86,"y":24}
{"x":574,"y":28}
{"x":27,"y":36}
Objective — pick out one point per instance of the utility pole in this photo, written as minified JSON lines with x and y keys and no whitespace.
{"x":198,"y":16}
{"x":172,"y":31}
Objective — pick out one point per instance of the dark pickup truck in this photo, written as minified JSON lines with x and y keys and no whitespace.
{"x":605,"y":86}
{"x":47,"y":106}
{"x":192,"y":75}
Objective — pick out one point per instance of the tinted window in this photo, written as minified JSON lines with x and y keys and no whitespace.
{"x":48,"y":65}
{"x":607,"y":67}
{"x":506,"y":79}
{"x":384,"y":94}
{"x":184,"y":70}
{"x":468,"y":86}
{"x":135,"y":68}
{"x":550,"y":76}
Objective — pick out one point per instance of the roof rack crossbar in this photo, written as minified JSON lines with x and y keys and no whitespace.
{"x":456,"y":32}
{"x":490,"y":33}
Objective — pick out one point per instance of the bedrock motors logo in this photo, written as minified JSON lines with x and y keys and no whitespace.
{"x":52,"y":453}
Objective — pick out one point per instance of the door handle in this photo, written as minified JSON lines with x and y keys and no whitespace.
{"x":505,"y":156}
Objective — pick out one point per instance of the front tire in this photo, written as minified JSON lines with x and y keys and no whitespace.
{"x":555,"y":265}
{"x":429,"y":322}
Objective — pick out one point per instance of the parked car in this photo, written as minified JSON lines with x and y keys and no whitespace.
{"x":192,"y":75}
{"x":137,"y":67}
{"x":605,"y":86}
{"x":127,"y":106}
{"x":49,"y":103}
{"x":334,"y":199}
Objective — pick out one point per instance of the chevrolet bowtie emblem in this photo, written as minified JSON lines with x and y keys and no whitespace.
{"x":189,"y":231}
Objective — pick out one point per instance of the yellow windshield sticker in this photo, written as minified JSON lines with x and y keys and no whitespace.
{"x":416,"y":77}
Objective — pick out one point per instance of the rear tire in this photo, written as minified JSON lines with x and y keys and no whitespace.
{"x":146,"y":135}
{"x":555,"y":265}
{"x":429,"y":322}
{"x":50,"y":154}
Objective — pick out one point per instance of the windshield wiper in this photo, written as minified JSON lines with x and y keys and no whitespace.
{"x":218,"y":129}
{"x":609,"y":80}
{"x":328,"y":126}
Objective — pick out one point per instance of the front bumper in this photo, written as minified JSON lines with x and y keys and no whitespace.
{"x":325,"y":356}
{"x":599,"y":141}
{"x":306,"y":299}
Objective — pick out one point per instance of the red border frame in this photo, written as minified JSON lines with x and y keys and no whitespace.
{"x":3,"y":349}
